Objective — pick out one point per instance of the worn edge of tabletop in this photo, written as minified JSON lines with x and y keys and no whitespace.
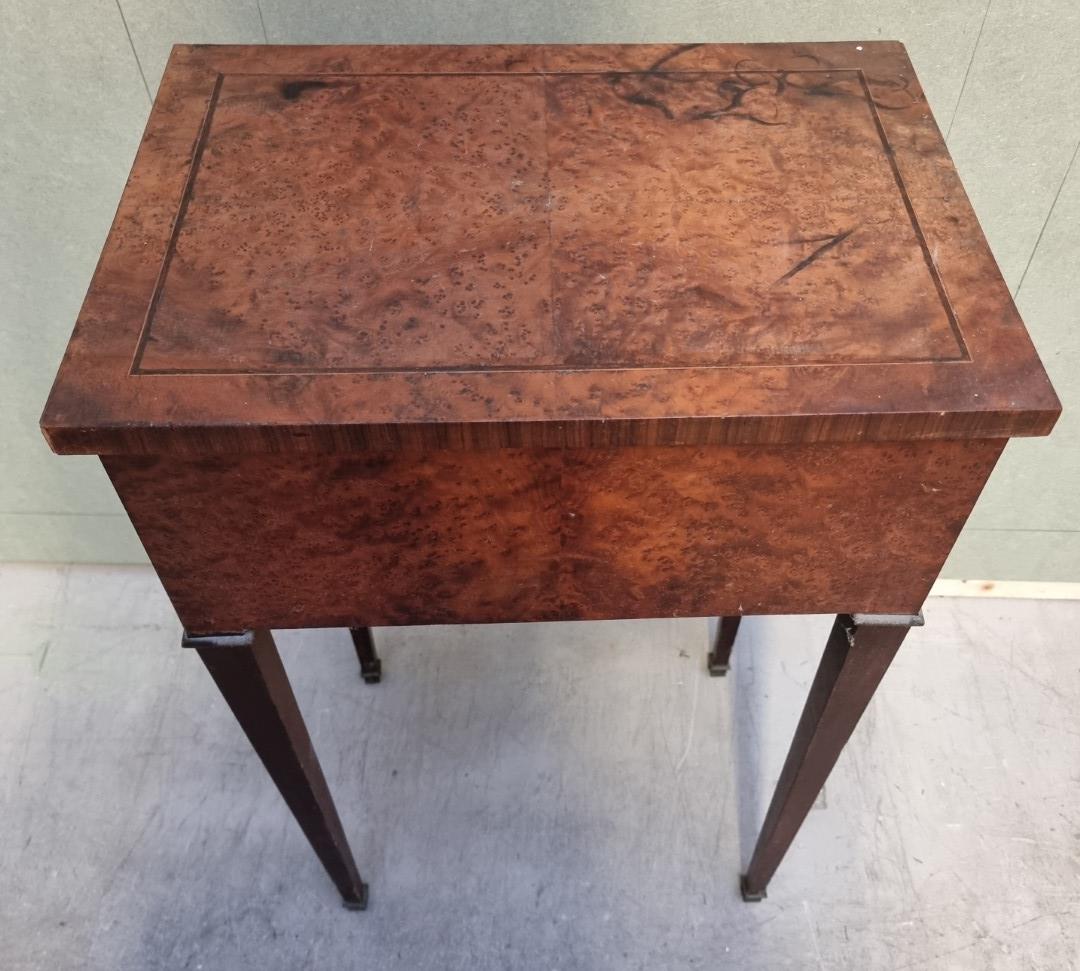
{"x":98,"y":405}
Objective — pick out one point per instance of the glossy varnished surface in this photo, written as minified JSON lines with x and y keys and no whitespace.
{"x":550,"y":534}
{"x":474,"y":221}
{"x":342,"y":248}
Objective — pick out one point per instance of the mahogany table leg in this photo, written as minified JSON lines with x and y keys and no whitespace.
{"x":370,"y":665}
{"x":857,"y":655}
{"x":720,"y":655}
{"x":249,"y":673}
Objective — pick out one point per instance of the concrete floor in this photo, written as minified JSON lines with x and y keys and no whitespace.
{"x":554,"y":797}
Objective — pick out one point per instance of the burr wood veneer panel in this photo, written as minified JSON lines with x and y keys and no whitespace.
{"x":356,"y":222}
{"x":548,"y":534}
{"x":352,"y":248}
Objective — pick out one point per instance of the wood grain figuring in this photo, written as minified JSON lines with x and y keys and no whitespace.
{"x":531,"y":535}
{"x":360,"y":222}
{"x":345,"y":249}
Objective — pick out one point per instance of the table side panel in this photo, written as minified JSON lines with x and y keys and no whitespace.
{"x":550,"y":534}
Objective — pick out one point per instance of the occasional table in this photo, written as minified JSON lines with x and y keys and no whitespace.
{"x":460,"y":335}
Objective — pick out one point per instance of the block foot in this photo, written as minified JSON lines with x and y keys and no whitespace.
{"x":719,"y":658}
{"x":370,"y":663}
{"x":357,"y":902}
{"x":750,"y":896}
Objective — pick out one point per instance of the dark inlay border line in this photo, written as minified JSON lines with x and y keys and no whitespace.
{"x":174,"y":230}
{"x":545,"y":368}
{"x":927,"y":256}
{"x":199,"y":145}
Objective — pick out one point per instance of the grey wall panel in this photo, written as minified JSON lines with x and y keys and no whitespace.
{"x":155,"y":26}
{"x":1018,"y":122}
{"x":1026,"y":526}
{"x":73,"y":109}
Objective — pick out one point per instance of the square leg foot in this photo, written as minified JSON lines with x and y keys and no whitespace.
{"x":359,"y":902}
{"x":751,"y":896}
{"x":371,"y":671}
{"x":718,"y":660}
{"x":718,"y":670}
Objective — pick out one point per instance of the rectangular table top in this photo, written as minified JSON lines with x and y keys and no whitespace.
{"x":358,"y":247}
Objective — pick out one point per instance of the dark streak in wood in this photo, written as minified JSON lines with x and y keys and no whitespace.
{"x":832,"y":242}
{"x":291,"y":90}
{"x":671,"y":55}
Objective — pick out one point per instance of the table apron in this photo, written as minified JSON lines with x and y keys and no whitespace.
{"x":382,"y":539}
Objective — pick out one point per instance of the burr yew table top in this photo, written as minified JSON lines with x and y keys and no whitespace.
{"x":341,"y":248}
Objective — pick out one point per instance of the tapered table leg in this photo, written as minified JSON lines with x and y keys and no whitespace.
{"x":720,"y":655}
{"x":248,"y":671}
{"x":857,"y":655}
{"x":370,"y":665}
